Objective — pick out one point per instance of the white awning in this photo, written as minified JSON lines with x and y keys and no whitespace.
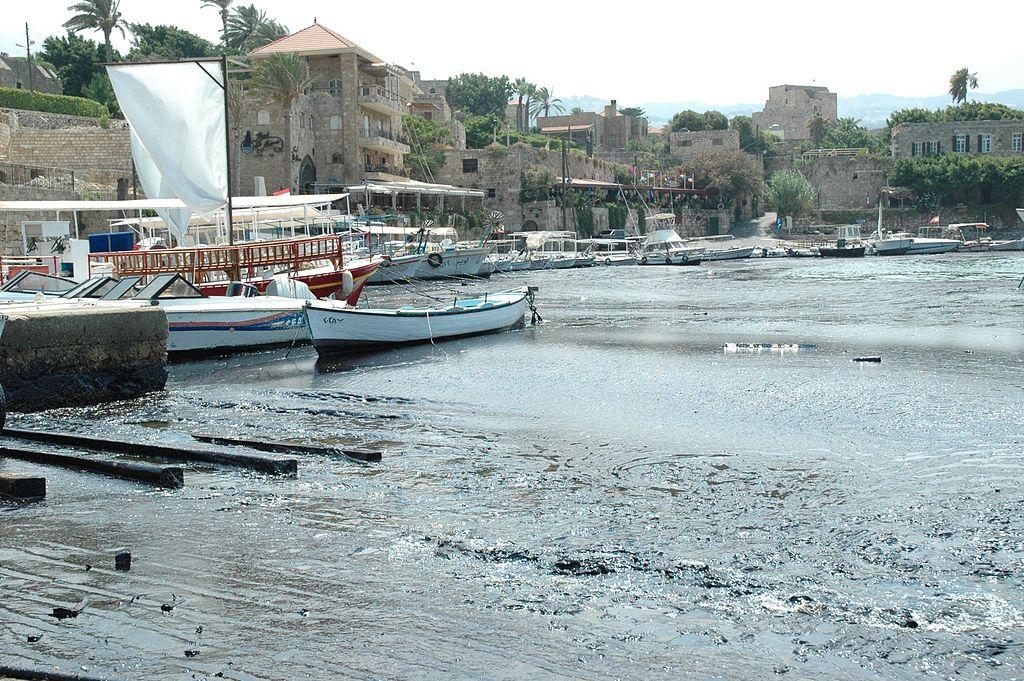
{"x":414,"y":187}
{"x":239,"y":202}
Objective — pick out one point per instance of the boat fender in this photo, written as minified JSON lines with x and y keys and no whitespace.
{"x":668,"y":260}
{"x":347,"y":284}
{"x":435,"y":260}
{"x":643,"y":260}
{"x":607,"y":261}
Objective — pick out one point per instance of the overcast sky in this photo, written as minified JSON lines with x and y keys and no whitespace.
{"x":716,"y":52}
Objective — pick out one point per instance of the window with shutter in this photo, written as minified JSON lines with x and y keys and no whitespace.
{"x":967,"y":143}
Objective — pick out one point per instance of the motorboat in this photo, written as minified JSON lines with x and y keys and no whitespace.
{"x":717,"y":248}
{"x":848,"y":244}
{"x":925,"y":243}
{"x":336,"y":328}
{"x":199,"y":323}
{"x":611,"y":251}
{"x":892,"y":243}
{"x":29,"y":285}
{"x":982,"y":242}
{"x":666,"y":247}
{"x":801,"y":252}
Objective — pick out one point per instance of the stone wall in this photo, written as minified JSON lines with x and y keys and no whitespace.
{"x":42,"y":120}
{"x":846,"y":182}
{"x":1000,"y":219}
{"x":73,"y":357}
{"x":790,"y":107}
{"x":929,"y":139}
{"x":689,"y":144}
{"x":5,"y":136}
{"x":498,"y":172}
{"x":83,"y":150}
{"x":842,"y":182}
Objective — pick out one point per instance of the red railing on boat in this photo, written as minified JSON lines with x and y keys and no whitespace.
{"x":234,"y":262}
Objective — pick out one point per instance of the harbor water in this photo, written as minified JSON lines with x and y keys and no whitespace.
{"x":607,"y":494}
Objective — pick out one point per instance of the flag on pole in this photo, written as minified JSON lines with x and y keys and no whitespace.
{"x":283,"y":192}
{"x":934,"y":220}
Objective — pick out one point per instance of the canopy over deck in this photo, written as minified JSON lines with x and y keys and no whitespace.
{"x":239,"y":202}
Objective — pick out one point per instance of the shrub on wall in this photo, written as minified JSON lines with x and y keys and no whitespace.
{"x":28,"y":100}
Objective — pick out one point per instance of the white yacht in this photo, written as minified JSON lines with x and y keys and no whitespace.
{"x":718,"y":248}
{"x":666,"y":247}
{"x":611,"y":251}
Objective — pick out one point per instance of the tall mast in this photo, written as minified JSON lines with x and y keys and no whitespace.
{"x":227,"y":152}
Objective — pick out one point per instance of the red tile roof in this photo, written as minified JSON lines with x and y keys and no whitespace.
{"x":315,"y":38}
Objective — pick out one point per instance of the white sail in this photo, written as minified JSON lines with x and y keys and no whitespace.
{"x":153,"y":184}
{"x":177,"y":112}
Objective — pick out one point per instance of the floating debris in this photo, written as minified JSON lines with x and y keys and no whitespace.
{"x":123,"y":561}
{"x":870,"y":358}
{"x":769,"y":347}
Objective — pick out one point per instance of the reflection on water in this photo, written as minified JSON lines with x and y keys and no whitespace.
{"x":604,"y":495}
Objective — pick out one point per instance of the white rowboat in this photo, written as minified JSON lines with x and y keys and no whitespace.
{"x":335,"y":328}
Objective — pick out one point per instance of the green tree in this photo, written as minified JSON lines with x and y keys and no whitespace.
{"x":687,"y":120}
{"x":478,"y":94}
{"x":847,"y":133}
{"x":100,"y":90}
{"x":915,"y":115}
{"x":577,"y":111}
{"x":752,"y":140}
{"x":74,"y":59}
{"x":817,"y":127}
{"x":224,"y":8}
{"x":100,"y":15}
{"x":281,"y":78}
{"x":546,"y":101}
{"x":167,"y":43}
{"x":726,"y":175}
{"x":634,"y":111}
{"x":960,"y":82}
{"x":789,"y":193}
{"x":249,"y":28}
{"x":519,"y":88}
{"x":715,"y":120}
{"x":427,"y":140}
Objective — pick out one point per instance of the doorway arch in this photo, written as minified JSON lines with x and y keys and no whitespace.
{"x":307,"y":176}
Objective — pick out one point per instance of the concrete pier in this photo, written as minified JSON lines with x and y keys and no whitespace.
{"x":62,"y":356}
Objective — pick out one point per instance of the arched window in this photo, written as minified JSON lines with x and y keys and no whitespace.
{"x":335,"y":123}
{"x":310,"y":121}
{"x":334,"y":87}
{"x":337,"y":158}
{"x":262,"y":117}
{"x":302,"y":121}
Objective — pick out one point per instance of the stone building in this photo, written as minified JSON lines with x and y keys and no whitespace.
{"x":789,"y":107}
{"x":427,"y":100}
{"x":346,"y":127}
{"x":607,"y":132}
{"x":16,"y":72}
{"x":996,"y":138}
{"x":685,"y":145}
{"x":498,"y":172}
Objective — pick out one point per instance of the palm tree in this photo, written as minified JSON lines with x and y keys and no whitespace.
{"x":959,"y":82}
{"x":281,"y":78}
{"x":100,"y":15}
{"x":520,"y":87}
{"x":817,"y":126}
{"x":546,"y":101}
{"x":577,"y":111}
{"x":529,"y":91}
{"x":249,"y":28}
{"x":223,"y":6}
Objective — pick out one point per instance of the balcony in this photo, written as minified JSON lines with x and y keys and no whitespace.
{"x":383,"y":140}
{"x":382,"y":172}
{"x":376,"y":98}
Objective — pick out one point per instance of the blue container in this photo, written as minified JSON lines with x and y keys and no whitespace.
{"x":112,"y":242}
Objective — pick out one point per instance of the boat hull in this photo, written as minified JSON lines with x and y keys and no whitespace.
{"x":336,"y":329}
{"x":931,"y":247}
{"x":222,"y":330}
{"x":397,"y":270}
{"x":728,"y":254}
{"x":849,"y":252}
{"x":322,"y":283}
{"x":615,"y":260}
{"x":452,"y":264}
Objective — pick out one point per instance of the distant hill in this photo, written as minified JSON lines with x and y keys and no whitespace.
{"x":872,"y":110}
